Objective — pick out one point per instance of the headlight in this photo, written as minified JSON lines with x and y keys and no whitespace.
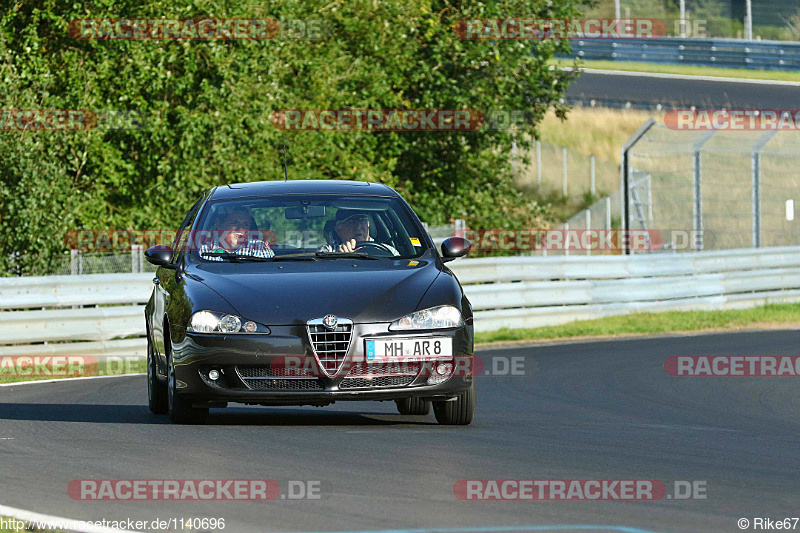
{"x":211,"y":322}
{"x":444,"y":316}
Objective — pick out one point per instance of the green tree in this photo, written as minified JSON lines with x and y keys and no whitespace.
{"x":204,"y":111}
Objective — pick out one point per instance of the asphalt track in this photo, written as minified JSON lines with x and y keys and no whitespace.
{"x":675,"y":92}
{"x":595,"y":410}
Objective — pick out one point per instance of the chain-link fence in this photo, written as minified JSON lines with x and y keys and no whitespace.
{"x":602,"y":216}
{"x":78,"y":262}
{"x":726,"y":189}
{"x":771,"y":19}
{"x":563,"y":172}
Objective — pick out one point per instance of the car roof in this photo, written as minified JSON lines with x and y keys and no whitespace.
{"x":265,"y":188}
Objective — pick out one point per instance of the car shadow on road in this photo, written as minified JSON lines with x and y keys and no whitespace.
{"x":139,"y":414}
{"x":297,"y":417}
{"x":80,"y":412}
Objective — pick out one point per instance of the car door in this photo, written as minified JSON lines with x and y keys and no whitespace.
{"x":164,"y":282}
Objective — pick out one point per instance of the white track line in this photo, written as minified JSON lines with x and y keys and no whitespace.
{"x":684,"y":77}
{"x":67,"y":380}
{"x":57,"y":521}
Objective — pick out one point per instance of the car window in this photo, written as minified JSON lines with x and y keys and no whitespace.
{"x":307,"y":223}
{"x":181,"y":239}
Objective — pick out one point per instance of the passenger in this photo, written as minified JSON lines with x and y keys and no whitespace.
{"x":238,"y":235}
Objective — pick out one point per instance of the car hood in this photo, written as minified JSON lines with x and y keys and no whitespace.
{"x":284,"y":293}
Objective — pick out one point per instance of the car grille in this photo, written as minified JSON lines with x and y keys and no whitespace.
{"x":267,"y":378}
{"x":384,"y":369}
{"x":370,"y":383}
{"x":254,"y":372}
{"x":330,"y":346}
{"x":284,"y":384}
{"x":376,"y":375}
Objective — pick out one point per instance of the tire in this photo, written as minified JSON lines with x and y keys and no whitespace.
{"x":413,"y":406}
{"x":180,"y":410}
{"x":156,"y":391}
{"x":458,"y":412}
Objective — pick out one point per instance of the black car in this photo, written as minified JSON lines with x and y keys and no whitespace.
{"x":305,"y":293}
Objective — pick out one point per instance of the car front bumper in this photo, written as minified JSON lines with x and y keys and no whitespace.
{"x":251,"y":368}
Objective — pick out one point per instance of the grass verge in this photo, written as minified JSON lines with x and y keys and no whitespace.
{"x":643,"y":323}
{"x":686,"y":70}
{"x":16,"y":369}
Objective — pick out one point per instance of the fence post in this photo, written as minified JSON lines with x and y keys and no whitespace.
{"x":566,"y":238}
{"x":539,"y":163}
{"x":608,"y":213}
{"x":514,"y":156}
{"x":136,"y":258}
{"x":756,"y":183}
{"x":697,"y":200}
{"x":75,"y":262}
{"x":592,"y":187}
{"x":697,"y":190}
{"x":748,"y":20}
{"x":624,"y":175}
{"x":588,"y":227}
{"x":459,"y":225}
{"x":564,"y":169}
{"x":756,"y":168}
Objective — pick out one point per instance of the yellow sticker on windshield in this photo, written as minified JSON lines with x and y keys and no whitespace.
{"x":414,"y":241}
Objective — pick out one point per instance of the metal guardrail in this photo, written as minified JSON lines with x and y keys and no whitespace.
{"x":733,"y":53}
{"x":99,"y":309}
{"x":531,"y":292}
{"x":510,"y":292}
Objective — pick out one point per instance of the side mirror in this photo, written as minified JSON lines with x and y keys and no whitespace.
{"x":455,"y":247}
{"x":159,"y":255}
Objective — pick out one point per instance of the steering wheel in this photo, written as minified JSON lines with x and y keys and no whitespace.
{"x":373,"y":244}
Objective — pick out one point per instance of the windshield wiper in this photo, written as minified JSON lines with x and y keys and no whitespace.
{"x":235,"y":258}
{"x":294,"y":257}
{"x":345,"y":255}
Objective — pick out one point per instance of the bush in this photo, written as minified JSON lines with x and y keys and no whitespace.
{"x":205,"y":110}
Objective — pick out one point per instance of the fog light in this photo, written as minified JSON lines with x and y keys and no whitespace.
{"x":213,"y":375}
{"x":444,"y":369}
{"x":435,"y":380}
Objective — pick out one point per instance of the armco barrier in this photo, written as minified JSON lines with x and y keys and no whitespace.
{"x":732,"y":53}
{"x":105,"y":311}
{"x":529,"y":292}
{"x":99,"y":309}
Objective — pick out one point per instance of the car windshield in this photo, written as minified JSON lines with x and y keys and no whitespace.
{"x":306,"y":227}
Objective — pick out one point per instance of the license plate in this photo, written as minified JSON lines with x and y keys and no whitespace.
{"x":417,"y":347}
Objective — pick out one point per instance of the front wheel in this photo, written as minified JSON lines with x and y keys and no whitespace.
{"x":180,"y":410}
{"x":156,"y":391}
{"x":458,"y":412}
{"x":413,"y":406}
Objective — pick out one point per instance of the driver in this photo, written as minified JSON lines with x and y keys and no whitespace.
{"x":351,"y":227}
